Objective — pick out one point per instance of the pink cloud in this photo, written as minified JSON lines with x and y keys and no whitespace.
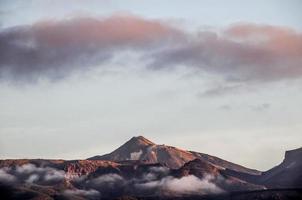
{"x":54,"y":49}
{"x":115,"y":30}
{"x":280,"y":40}
{"x":242,"y":52}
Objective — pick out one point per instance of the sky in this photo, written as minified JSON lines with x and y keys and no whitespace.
{"x":79,"y":78}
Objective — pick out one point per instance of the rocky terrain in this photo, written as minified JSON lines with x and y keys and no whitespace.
{"x":140,"y":148}
{"x":141,"y":169}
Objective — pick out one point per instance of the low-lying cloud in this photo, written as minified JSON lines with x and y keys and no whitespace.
{"x":153,"y":181}
{"x":242,"y":52}
{"x":182,"y":186}
{"x":108,"y":180}
{"x":32,"y":174}
{"x":5,"y":177}
{"x":157,"y":181}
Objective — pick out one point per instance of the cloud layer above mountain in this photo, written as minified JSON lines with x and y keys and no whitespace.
{"x":241,"y":52}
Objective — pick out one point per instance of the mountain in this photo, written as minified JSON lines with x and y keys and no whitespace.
{"x":140,"y":148}
{"x":141,"y":169}
{"x":206,"y":170}
{"x":47,"y":179}
{"x":286,"y":175}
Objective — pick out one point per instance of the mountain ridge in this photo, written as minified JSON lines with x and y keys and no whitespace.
{"x":147,"y":151}
{"x":140,"y":168}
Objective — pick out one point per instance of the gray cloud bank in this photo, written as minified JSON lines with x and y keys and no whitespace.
{"x":242,"y":52}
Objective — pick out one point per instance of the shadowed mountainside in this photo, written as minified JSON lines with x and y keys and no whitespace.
{"x":286,"y":175}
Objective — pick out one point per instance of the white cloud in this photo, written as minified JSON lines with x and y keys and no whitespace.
{"x":54,"y":175}
{"x":155,"y":172}
{"x":30,"y":173}
{"x":32,"y":178}
{"x":185,"y":185}
{"x":192,"y":184}
{"x":6,"y":177}
{"x":28,"y":168}
{"x":107,"y":179}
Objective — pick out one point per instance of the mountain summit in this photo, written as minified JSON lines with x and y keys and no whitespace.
{"x":141,"y":149}
{"x":139,"y":140}
{"x":131,"y":150}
